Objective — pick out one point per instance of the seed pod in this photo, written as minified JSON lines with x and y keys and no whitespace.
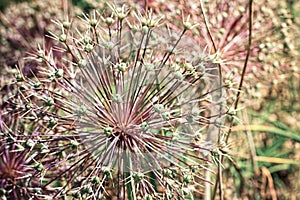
{"x":88,"y":48}
{"x":95,"y":180}
{"x":63,"y":38}
{"x":109,"y":21}
{"x":39,"y":167}
{"x":145,"y":126}
{"x":87,"y":189}
{"x":166,"y":115}
{"x":59,"y":73}
{"x":187,"y":178}
{"x":138,"y":176}
{"x":74,"y":144}
{"x":19,"y":78}
{"x":122,"y":66}
{"x":52,"y":123}
{"x":106,"y":171}
{"x":48,"y":101}
{"x":108,"y":131}
{"x":66,"y":24}
{"x":82,"y":63}
{"x":37,"y":85}
{"x":93,"y":22}
{"x":29,"y":143}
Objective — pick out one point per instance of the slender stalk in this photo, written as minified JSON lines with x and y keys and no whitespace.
{"x":250,"y":22}
{"x":207,"y":191}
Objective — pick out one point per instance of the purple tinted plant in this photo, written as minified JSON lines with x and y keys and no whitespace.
{"x":25,"y":22}
{"x":126,"y":115}
{"x":19,"y":169}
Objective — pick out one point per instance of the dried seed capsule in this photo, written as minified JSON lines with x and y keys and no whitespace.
{"x":122,"y":66}
{"x":138,"y":176}
{"x":59,"y":73}
{"x":37,"y":85}
{"x":74,"y":144}
{"x":39,"y":167}
{"x":29,"y":143}
{"x":145,"y":126}
{"x":82,"y":63}
{"x":19,"y":78}
{"x":109,"y":21}
{"x":66,"y":24}
{"x":108,"y":131}
{"x":52,"y":122}
{"x":95,"y":180}
{"x":63,"y":38}
{"x":48,"y":101}
{"x":187,"y":178}
{"x":88,"y":48}
{"x":106,"y":171}
{"x":93,"y":22}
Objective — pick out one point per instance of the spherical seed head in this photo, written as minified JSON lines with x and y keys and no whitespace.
{"x":37,"y":85}
{"x":48,"y":101}
{"x":145,"y":126}
{"x":59,"y":73}
{"x":128,"y":88}
{"x":178,"y":75}
{"x":52,"y":122}
{"x":82,"y":63}
{"x":88,"y":48}
{"x":63,"y":38}
{"x":40,"y":53}
{"x":122,"y":66}
{"x":95,"y":180}
{"x":19,"y":78}
{"x":108,"y":131}
{"x":2,"y":192}
{"x":29,"y":143}
{"x":109,"y":21}
{"x":87,"y":40}
{"x":187,"y":178}
{"x":66,"y":24}
{"x":39,"y":167}
{"x":93,"y":22}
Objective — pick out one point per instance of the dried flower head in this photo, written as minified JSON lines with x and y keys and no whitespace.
{"x":20,"y":170}
{"x":124,"y":117}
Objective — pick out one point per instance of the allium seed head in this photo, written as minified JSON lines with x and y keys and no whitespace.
{"x":120,"y":120}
